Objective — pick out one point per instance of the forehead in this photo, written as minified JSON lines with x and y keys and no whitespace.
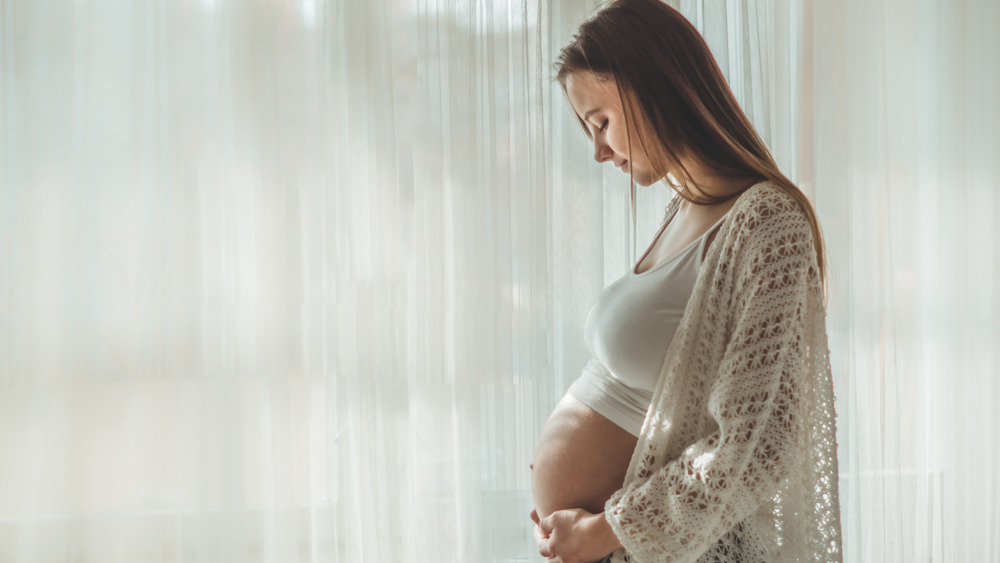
{"x":586,"y":92}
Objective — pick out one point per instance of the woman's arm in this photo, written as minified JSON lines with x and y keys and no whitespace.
{"x":678,"y":510}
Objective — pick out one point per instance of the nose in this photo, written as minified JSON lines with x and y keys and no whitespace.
{"x":602,"y":152}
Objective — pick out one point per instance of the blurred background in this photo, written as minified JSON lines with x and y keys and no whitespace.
{"x":300,"y":280}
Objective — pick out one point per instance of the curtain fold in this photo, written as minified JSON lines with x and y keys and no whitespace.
{"x":283,"y":280}
{"x":300,"y":280}
{"x":905,"y":144}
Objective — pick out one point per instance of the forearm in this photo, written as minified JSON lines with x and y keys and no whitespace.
{"x":603,"y":533}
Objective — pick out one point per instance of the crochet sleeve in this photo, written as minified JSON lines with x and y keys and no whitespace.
{"x":676,"y":510}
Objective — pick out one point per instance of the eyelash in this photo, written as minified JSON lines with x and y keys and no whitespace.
{"x":603,"y":126}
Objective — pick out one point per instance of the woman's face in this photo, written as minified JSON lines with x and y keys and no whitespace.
{"x":597,"y":103}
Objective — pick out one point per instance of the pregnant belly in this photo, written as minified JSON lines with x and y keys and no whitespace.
{"x":580,"y":460}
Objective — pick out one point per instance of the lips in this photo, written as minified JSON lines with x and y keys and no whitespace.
{"x":622,"y":165}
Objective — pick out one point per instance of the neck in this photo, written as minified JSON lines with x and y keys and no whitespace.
{"x":714,"y":188}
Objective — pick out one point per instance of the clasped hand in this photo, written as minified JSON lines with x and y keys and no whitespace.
{"x":574,"y":536}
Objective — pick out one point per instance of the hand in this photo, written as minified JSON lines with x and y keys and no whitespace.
{"x":574,"y":536}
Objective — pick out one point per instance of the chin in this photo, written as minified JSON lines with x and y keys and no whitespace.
{"x":644,"y":180}
{"x":643,"y":176}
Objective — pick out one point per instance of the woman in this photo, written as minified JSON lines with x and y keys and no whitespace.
{"x":703,"y":429}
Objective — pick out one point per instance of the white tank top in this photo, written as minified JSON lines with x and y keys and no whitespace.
{"x":628,"y":331}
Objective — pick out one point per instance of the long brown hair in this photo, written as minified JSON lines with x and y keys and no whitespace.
{"x":675,"y":95}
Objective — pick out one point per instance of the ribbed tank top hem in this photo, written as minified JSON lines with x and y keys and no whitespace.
{"x":612,"y":399}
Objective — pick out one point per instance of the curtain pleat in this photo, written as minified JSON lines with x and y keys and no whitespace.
{"x":905,"y":189}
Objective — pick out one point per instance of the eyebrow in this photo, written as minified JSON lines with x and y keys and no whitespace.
{"x":586,"y":115}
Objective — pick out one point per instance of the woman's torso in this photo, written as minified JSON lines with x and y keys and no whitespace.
{"x":581,"y":456}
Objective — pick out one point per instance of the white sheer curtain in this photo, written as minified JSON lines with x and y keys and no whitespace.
{"x":299,"y":280}
{"x":885,"y":113}
{"x":906,"y":145}
{"x":279,"y":280}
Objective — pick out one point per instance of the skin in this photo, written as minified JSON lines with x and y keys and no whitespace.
{"x":597,"y":104}
{"x":577,"y":535}
{"x":595,"y":100}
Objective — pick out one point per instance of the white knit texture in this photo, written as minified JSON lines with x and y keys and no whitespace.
{"x":737,"y":459}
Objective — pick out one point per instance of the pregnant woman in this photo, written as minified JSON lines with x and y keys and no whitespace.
{"x":703,"y":427}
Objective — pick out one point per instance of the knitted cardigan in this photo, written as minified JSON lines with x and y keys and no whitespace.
{"x":737,"y":457}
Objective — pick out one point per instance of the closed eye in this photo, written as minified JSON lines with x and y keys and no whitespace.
{"x":603,"y":126}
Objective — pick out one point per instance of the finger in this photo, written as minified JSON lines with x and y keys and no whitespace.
{"x":540,"y":539}
{"x":543,"y":543}
{"x":547,"y":524}
{"x":534,"y":515}
{"x":540,"y":536}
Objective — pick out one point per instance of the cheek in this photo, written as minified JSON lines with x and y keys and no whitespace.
{"x":637,"y":151}
{"x":632,"y":142}
{"x":622,"y":143}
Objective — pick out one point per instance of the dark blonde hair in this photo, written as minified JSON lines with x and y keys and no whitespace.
{"x":675,"y":95}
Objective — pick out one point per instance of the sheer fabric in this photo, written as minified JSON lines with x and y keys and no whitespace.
{"x":282,"y":280}
{"x":300,"y":280}
{"x":885,"y":114}
{"x":904,"y":132}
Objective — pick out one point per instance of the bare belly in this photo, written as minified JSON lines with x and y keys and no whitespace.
{"x":580,"y":460}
